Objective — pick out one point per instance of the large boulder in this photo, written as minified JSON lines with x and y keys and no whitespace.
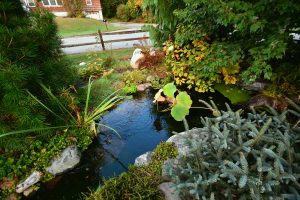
{"x":146,"y":59}
{"x":137,"y":58}
{"x":143,"y":87}
{"x":66,"y":160}
{"x":31,"y":180}
{"x":180,"y":139}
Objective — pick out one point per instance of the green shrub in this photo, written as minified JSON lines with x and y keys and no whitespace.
{"x":243,"y":157}
{"x":123,"y":12}
{"x":74,"y":8}
{"x":139,"y":182}
{"x":109,"y":7}
{"x":135,"y":77}
{"x":30,"y":55}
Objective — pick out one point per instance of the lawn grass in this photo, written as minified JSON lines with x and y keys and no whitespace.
{"x":90,"y":56}
{"x":81,"y":26}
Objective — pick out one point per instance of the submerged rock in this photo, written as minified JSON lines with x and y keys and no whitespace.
{"x":66,"y":160}
{"x":255,"y":86}
{"x":143,"y":159}
{"x":264,"y":100}
{"x":168,"y":190}
{"x":31,"y":180}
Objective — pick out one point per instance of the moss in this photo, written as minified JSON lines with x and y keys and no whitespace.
{"x":139,"y":182}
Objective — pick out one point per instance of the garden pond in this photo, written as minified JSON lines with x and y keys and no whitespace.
{"x":141,"y":126}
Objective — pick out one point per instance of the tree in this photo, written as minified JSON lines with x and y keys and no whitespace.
{"x":29,"y":55}
{"x":163,"y":10}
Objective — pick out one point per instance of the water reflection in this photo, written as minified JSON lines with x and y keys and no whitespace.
{"x":141,"y":126}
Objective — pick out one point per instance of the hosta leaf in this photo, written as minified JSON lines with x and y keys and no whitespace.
{"x":169,"y":89}
{"x":179,"y":111}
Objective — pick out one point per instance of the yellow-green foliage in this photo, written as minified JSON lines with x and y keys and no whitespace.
{"x":96,"y":67}
{"x":135,"y":77}
{"x":139,"y":182}
{"x":185,"y":63}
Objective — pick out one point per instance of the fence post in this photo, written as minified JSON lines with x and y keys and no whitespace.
{"x":101,"y":40}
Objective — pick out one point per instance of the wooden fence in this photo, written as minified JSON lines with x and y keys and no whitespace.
{"x":102,"y":42}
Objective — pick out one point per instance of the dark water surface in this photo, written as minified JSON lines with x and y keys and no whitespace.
{"x":141,"y":128}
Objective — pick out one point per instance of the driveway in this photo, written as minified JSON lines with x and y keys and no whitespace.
{"x":108,"y":46}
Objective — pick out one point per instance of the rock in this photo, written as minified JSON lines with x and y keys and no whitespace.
{"x":143,"y":159}
{"x":150,"y":78}
{"x":169,"y":191}
{"x":255,"y":86}
{"x":29,"y":191}
{"x":180,"y":139}
{"x":137,"y":58}
{"x":31,"y":180}
{"x":143,"y":87}
{"x":68,"y":159}
{"x":82,"y":64}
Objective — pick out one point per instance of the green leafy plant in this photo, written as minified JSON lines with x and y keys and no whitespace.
{"x":135,"y":77}
{"x":252,"y":156}
{"x":252,"y":38}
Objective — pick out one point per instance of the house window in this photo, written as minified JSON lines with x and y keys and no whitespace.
{"x":29,"y":3}
{"x":88,"y":2}
{"x":52,"y":2}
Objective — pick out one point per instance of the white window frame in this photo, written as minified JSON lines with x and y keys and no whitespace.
{"x":88,"y":2}
{"x":56,"y":4}
{"x":27,"y":3}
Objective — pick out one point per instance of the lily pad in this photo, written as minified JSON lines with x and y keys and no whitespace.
{"x":184,"y":99}
{"x":169,"y":89}
{"x":179,"y":111}
{"x":234,"y":93}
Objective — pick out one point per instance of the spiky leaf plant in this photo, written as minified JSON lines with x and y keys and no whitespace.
{"x":252,"y":156}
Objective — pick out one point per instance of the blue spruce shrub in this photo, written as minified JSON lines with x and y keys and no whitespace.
{"x":243,"y":157}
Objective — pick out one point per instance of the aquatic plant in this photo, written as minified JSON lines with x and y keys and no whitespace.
{"x":252,"y":156}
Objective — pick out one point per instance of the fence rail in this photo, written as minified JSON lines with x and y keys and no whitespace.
{"x":102,"y":42}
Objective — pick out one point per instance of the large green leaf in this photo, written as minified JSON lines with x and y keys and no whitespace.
{"x":184,"y":99}
{"x":169,"y":89}
{"x":179,"y":111}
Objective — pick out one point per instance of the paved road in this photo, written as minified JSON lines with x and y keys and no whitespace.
{"x":108,"y":46}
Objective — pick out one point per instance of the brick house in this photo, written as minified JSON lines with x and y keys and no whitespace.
{"x":92,"y":8}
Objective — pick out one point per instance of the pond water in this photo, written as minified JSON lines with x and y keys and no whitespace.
{"x":141,"y":127}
